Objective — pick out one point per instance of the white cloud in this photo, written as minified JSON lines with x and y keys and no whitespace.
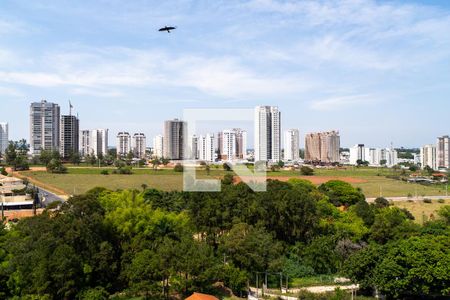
{"x":343,"y":102}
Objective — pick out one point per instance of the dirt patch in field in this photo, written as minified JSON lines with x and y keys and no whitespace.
{"x":313,"y":179}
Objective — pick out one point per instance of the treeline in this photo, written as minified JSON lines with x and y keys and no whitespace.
{"x":159,"y":244}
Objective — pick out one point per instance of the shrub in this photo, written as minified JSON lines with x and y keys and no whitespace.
{"x":104,"y":172}
{"x":426,"y":200}
{"x":178,"y":167}
{"x":307,"y":171}
{"x":123,"y":170}
{"x":441,"y":201}
{"x":381,"y":202}
{"x":3,"y":171}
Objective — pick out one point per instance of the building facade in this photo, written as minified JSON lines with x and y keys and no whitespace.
{"x":428,"y":157}
{"x":4,"y":138}
{"x":291,"y":145}
{"x":175,"y":139}
{"x":139,"y":145}
{"x":358,"y":153}
{"x":206,"y":147}
{"x":44,"y":126}
{"x":94,"y":142}
{"x":69,"y":136}
{"x":123,"y":144}
{"x":241,"y":143}
{"x":322,"y":147}
{"x":267,"y":133}
{"x":158,"y":146}
{"x":443,"y":152}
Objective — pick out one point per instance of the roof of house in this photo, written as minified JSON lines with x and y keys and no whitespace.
{"x":200,"y":296}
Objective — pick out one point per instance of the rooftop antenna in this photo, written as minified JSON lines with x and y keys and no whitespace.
{"x":70,"y":108}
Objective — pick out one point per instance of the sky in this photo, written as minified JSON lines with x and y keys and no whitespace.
{"x":377,"y":71}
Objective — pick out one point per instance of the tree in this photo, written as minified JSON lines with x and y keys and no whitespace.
{"x":383,"y":162}
{"x":250,"y":248}
{"x":381,"y":202}
{"x":165,"y":161}
{"x":226,"y":167}
{"x":75,"y":158}
{"x":56,"y":166}
{"x":391,"y":223}
{"x":307,"y":171}
{"x":341,"y":193}
{"x":417,"y":266}
{"x":155,"y":163}
{"x":16,"y":155}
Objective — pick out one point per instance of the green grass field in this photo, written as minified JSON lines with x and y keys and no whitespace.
{"x":80,"y":179}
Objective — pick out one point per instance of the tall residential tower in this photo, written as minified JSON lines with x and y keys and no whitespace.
{"x":267,"y":133}
{"x":44,"y":126}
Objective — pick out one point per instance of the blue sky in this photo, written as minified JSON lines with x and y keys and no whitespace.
{"x":378,"y":71}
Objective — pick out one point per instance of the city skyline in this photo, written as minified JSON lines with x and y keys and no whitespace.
{"x":339,"y":64}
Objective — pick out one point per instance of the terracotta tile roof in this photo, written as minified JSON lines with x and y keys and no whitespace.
{"x":200,"y":296}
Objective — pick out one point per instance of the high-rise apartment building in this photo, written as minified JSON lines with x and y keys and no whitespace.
{"x":322,"y":147}
{"x":291,"y":145}
{"x":44,"y":126}
{"x":227,"y":145}
{"x":428,"y":156}
{"x":123,"y":144}
{"x":241,"y":143}
{"x":3,"y":137}
{"x":443,"y":152}
{"x":139,"y":145}
{"x":358,"y":153}
{"x":158,"y":149}
{"x":69,"y":136}
{"x":93,"y":142}
{"x":194,"y":147}
{"x":206,"y":148}
{"x":267,"y":133}
{"x":175,"y":139}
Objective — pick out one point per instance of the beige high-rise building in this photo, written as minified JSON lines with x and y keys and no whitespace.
{"x":158,"y":146}
{"x":443,"y":152}
{"x":322,"y":147}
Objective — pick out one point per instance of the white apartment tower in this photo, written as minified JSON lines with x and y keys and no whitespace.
{"x":428,"y":156}
{"x":93,"y":142}
{"x":443,"y":152}
{"x":206,"y":147}
{"x":123,"y":144}
{"x":267,"y":133}
{"x":158,"y":146}
{"x":358,"y":152}
{"x":3,"y":137}
{"x":44,"y":126}
{"x":291,"y":145}
{"x":139,"y":145}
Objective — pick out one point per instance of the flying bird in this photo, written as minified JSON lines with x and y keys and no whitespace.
{"x":167,"y":28}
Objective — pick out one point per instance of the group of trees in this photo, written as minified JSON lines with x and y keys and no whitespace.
{"x":153,"y":243}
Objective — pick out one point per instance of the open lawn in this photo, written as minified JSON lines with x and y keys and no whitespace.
{"x":372,"y":181}
{"x":421,"y":210}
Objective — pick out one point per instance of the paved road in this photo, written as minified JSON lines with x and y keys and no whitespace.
{"x":48,"y":197}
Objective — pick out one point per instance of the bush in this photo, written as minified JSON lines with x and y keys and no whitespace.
{"x":178,"y":167}
{"x":226,"y":167}
{"x":381,"y":202}
{"x":441,"y":201}
{"x":307,"y":171}
{"x":123,"y":170}
{"x":3,"y":171}
{"x":426,"y":200}
{"x":56,"y":166}
{"x":104,"y":172}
